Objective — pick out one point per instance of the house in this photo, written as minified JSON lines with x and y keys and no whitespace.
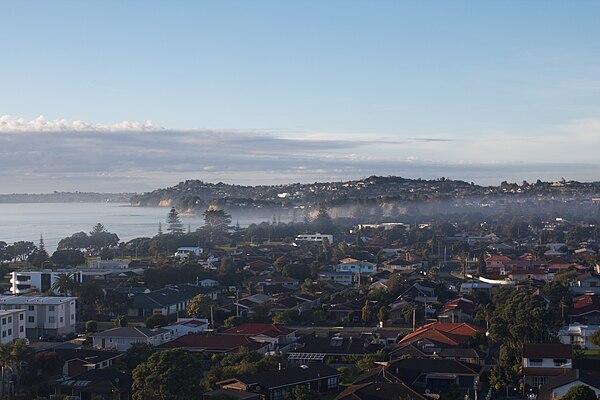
{"x":320,"y":348}
{"x":426,"y":375}
{"x":262,"y":333}
{"x":345,"y":278}
{"x":431,"y":348}
{"x":183,"y":326}
{"x":347,"y":311}
{"x":216,"y":344}
{"x":230,"y":394}
{"x":585,"y":309}
{"x":44,"y":315}
{"x":498,"y":265}
{"x":578,"y":335}
{"x":123,"y":338}
{"x":461,"y":309}
{"x":12,"y":325}
{"x":419,"y":293}
{"x":167,"y":301}
{"x":525,"y":275}
{"x":588,"y":283}
{"x":379,"y":391}
{"x":450,"y":334}
{"x":355,"y":266}
{"x":267,"y":280}
{"x":558,"y":386}
{"x":208,"y":283}
{"x":300,"y":303}
{"x":106,"y":384}
{"x":544,"y":361}
{"x":39,"y":281}
{"x":78,"y":361}
{"x":274,"y":385}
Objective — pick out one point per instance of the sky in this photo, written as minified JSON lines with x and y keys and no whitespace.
{"x":129,"y":96}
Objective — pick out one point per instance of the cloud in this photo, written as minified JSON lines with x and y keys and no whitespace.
{"x":42,"y":155}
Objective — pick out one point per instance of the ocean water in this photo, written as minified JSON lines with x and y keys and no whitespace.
{"x":55,"y":221}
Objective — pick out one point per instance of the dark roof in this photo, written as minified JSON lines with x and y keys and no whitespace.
{"x":547,"y":351}
{"x":571,"y":376}
{"x":289,"y":376}
{"x":379,"y":391}
{"x":212,"y":343}
{"x":235,"y":394}
{"x":332,"y":345}
{"x":168,"y":296}
{"x":90,"y":356}
{"x":408,"y":370}
{"x":272,"y":330}
{"x":99,"y":377}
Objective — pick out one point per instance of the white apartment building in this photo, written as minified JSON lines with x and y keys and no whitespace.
{"x":578,"y":335}
{"x":12,"y":325}
{"x":314,"y":237}
{"x":41,"y":281}
{"x":53,"y":316}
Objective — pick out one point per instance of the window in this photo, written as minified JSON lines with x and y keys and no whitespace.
{"x":3,"y":321}
{"x":31,"y":308}
{"x":535,"y":362}
{"x":21,"y":316}
{"x":9,"y":331}
{"x":31,"y":319}
{"x":3,"y":333}
{"x":61,"y":320}
{"x":51,"y":319}
{"x":21,"y":329}
{"x":538,"y":380}
{"x":332,"y":383}
{"x":558,"y":362}
{"x":51,"y":308}
{"x":72,"y":317}
{"x":10,"y":320}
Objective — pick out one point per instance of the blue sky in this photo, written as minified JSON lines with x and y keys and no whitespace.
{"x":314,"y":90}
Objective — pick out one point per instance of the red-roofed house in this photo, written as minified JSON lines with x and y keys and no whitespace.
{"x":457,"y":310}
{"x":498,"y":264}
{"x":452,"y":334}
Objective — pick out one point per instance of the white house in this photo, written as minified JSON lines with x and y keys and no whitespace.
{"x":355,"y":266}
{"x":314,"y":237}
{"x":12,"y":325}
{"x":121,"y":339}
{"x":44,"y":315}
{"x":544,"y":361}
{"x":557,"y":387}
{"x":42,"y":281}
{"x":183,"y":326}
{"x":578,"y":335}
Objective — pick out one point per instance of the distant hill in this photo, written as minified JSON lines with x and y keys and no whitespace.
{"x":375,"y":191}
{"x":66,"y":197}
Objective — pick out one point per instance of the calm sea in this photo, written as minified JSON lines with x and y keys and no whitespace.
{"x":58,"y":220}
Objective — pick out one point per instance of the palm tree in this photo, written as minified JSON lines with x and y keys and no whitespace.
{"x":63,"y":284}
{"x":22,"y":354}
{"x":6,"y":360}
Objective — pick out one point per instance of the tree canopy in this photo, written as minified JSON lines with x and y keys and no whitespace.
{"x":168,"y":375}
{"x":580,"y":392}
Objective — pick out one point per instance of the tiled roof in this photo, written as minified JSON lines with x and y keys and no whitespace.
{"x":289,"y":376}
{"x":168,"y":296}
{"x":379,"y":391}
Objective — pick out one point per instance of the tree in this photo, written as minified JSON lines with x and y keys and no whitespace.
{"x":174,"y":224}
{"x":64,"y":284}
{"x":137,"y":354}
{"x":595,"y":338}
{"x":91,"y":326}
{"x":39,"y":255}
{"x":383,"y":313}
{"x":121,"y":321}
{"x":580,"y":392}
{"x":199,"y":306}
{"x":216,"y":223}
{"x":300,"y":392}
{"x":168,"y":375}
{"x":22,"y":354}
{"x":323,"y":222}
{"x":156,"y":320}
{"x":101,"y":238}
{"x":283,"y":317}
{"x":68,"y":258}
{"x":21,"y":251}
{"x":503,"y":374}
{"x":76,"y":241}
{"x":366,"y":311}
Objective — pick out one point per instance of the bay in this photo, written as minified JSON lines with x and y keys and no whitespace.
{"x":54,"y":221}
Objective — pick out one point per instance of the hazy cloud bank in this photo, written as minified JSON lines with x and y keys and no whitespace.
{"x":42,"y":155}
